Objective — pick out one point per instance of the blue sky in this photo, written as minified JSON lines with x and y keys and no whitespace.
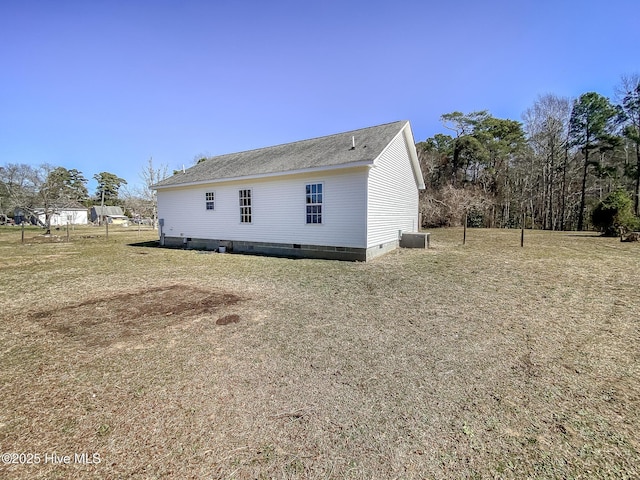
{"x":105,"y":85}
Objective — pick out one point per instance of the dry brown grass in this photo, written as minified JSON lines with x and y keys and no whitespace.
{"x":476,"y":361}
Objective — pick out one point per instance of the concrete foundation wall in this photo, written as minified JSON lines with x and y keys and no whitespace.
{"x":282,"y":249}
{"x":381,"y":249}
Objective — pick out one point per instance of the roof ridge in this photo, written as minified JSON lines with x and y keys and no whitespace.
{"x":328,"y":151}
{"x":305,"y":140}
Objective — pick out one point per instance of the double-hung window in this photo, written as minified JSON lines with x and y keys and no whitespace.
{"x":314,"y":202}
{"x":245,"y":206}
{"x":210,"y":200}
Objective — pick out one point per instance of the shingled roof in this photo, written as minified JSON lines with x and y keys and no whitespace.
{"x":330,"y":151}
{"x":108,"y":211}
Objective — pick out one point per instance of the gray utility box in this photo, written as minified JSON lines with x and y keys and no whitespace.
{"x":414,"y":240}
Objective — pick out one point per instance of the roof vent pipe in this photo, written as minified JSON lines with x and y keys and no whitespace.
{"x":353,"y":142}
{"x":183,"y":168}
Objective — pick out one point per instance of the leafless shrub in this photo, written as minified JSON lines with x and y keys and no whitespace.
{"x":447,"y":206}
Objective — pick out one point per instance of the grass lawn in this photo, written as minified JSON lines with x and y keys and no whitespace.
{"x":479,"y":361}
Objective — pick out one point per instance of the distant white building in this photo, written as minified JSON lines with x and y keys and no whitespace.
{"x":72,"y":215}
{"x":345,"y":196}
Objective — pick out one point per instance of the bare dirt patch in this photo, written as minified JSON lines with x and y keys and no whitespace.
{"x":112,"y":318}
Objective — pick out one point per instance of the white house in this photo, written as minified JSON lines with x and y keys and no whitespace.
{"x":345,"y":196}
{"x":60,"y":216}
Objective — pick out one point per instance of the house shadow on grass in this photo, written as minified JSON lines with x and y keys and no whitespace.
{"x":156,"y":244}
{"x":150,"y":243}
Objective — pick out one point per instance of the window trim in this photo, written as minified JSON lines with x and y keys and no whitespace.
{"x":211,"y":201}
{"x":245,"y":200}
{"x":318,"y":205}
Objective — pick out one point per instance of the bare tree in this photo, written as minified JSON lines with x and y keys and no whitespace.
{"x":628,"y":94}
{"x":150,"y":176}
{"x":17,"y":188}
{"x":547,"y":127}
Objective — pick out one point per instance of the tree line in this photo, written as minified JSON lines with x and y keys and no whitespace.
{"x":568,"y":165}
{"x":49,"y":189}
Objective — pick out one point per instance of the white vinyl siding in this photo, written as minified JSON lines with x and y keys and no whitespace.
{"x":392,"y":203}
{"x":277,"y":215}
